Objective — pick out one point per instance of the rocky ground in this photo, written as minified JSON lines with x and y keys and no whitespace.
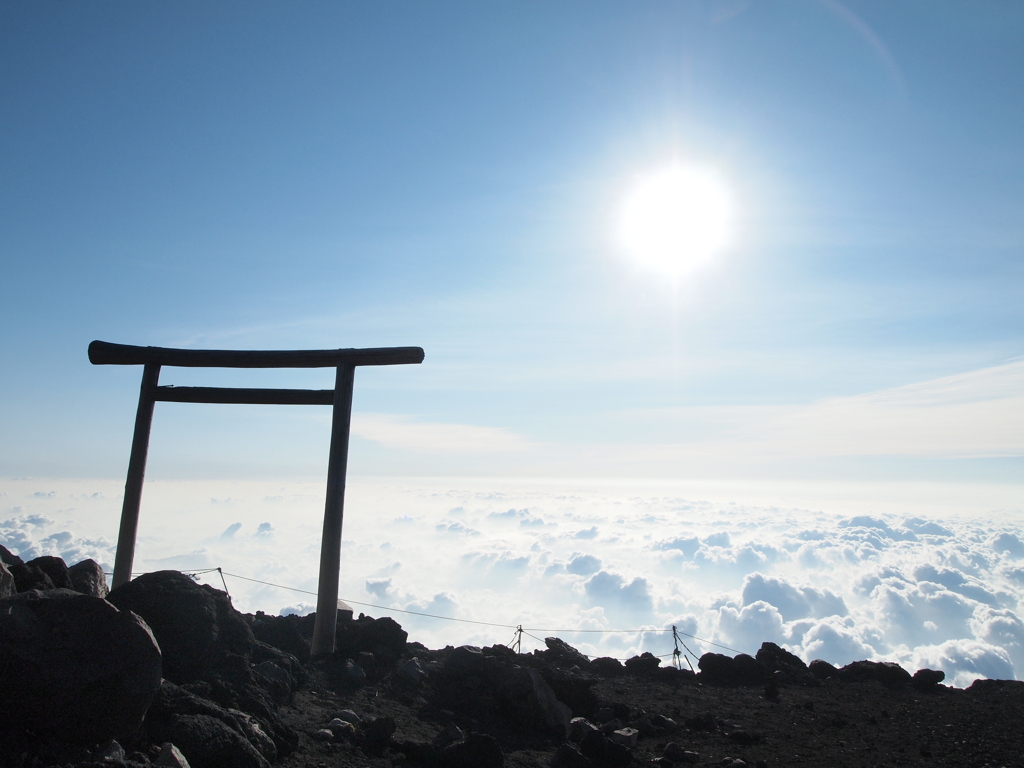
{"x":90,"y":679}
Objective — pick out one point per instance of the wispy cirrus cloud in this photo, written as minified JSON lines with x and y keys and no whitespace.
{"x":436,"y":437}
{"x":978,"y":414}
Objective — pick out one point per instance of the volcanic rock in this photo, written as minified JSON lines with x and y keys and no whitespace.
{"x":561,"y":653}
{"x":790,"y":668}
{"x":7,"y":586}
{"x":55,"y":568}
{"x":171,"y":757}
{"x":9,"y":558}
{"x":81,"y":668}
{"x":474,"y":681}
{"x":604,"y":752}
{"x":384,"y":638}
{"x":924,"y":679}
{"x":206,"y":732}
{"x":718,"y":669}
{"x":194,"y":623}
{"x":28,"y":577}
{"x":643,"y":664}
{"x":87,"y":577}
{"x":290,"y":634}
{"x":822,"y":669}
{"x":607,"y":666}
{"x":888,"y":673}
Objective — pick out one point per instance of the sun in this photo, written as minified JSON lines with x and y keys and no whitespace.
{"x":676,"y":219}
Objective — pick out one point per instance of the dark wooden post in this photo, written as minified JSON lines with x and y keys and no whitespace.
{"x":325,"y":626}
{"x":136,"y":474}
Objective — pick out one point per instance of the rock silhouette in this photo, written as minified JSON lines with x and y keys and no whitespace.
{"x":74,"y":667}
{"x":241,"y":692}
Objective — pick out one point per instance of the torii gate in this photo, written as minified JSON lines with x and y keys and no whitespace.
{"x":345,"y":360}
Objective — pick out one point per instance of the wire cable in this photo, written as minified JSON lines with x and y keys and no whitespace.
{"x":525,"y":630}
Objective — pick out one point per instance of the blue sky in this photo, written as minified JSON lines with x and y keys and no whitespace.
{"x":264,"y":175}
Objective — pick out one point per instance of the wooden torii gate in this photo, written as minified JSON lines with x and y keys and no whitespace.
{"x":344,"y":360}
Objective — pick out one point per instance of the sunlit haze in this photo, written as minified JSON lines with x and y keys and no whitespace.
{"x":720,"y":303}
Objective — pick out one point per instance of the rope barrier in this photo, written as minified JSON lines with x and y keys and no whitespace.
{"x":520,"y":629}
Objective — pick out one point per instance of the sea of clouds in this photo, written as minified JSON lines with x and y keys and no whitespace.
{"x":840,"y":581}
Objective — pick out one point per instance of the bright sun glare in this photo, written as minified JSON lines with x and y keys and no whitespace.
{"x":675,"y":219}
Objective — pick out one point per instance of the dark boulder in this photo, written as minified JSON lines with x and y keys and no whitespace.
{"x":87,"y":577}
{"x":384,"y":638}
{"x":55,"y":568}
{"x":476,"y":682}
{"x":821,"y":669}
{"x":184,"y":719}
{"x":287,"y":633}
{"x":9,"y":558}
{"x":607,"y":666}
{"x":207,"y":742}
{"x":561,"y":653}
{"x":644,"y":664}
{"x":888,"y":673}
{"x":926,"y":679}
{"x":81,"y":669}
{"x":195,"y":624}
{"x":785,"y":667}
{"x":718,"y":669}
{"x":28,"y":577}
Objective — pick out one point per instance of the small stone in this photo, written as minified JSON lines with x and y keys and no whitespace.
{"x":348,"y":716}
{"x":323,"y":734}
{"x":448,"y":735}
{"x":110,"y":752}
{"x":341,"y":728}
{"x":664,"y":722}
{"x":579,"y":727}
{"x":412,"y":670}
{"x":272,"y":671}
{"x":646,"y":727}
{"x":626,"y":737}
{"x":354,"y":672}
{"x":171,"y":757}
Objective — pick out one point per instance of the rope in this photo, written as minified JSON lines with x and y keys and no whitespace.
{"x":371,"y":605}
{"x":517,"y":627}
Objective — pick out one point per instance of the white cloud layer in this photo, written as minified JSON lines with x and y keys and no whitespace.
{"x":941,"y":590}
